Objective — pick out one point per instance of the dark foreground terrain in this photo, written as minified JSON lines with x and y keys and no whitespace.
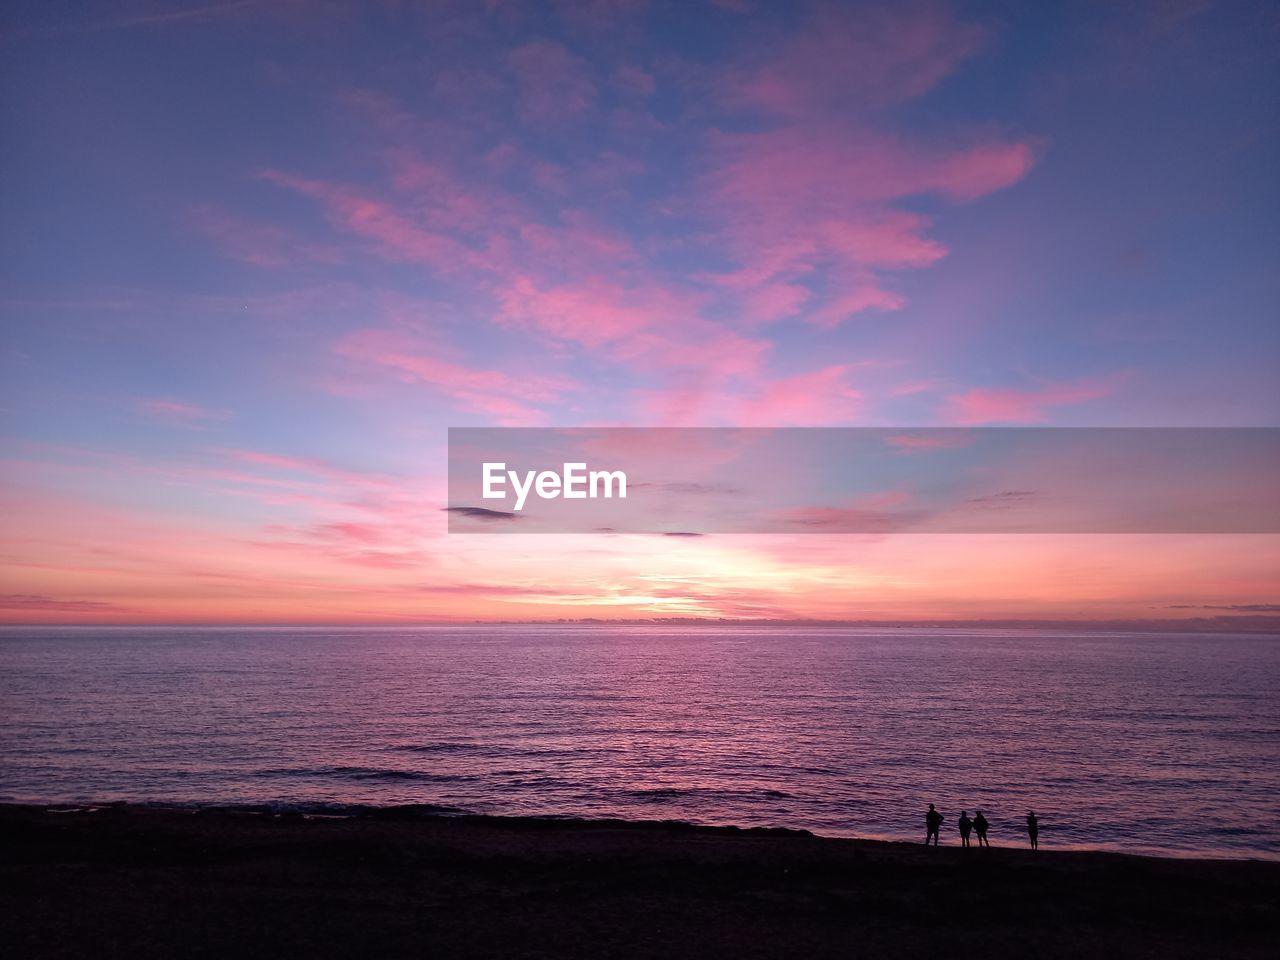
{"x":135,"y":882}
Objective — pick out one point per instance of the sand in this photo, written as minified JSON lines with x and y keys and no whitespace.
{"x":140,"y":882}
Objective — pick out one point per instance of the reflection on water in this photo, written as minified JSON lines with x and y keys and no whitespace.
{"x":1129,"y":741}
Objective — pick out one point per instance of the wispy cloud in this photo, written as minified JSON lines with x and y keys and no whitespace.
{"x":157,"y":16}
{"x":555,"y":86}
{"x":1233,"y":607}
{"x":511,"y":400}
{"x":182,"y":412}
{"x":24,"y":601}
{"x":482,"y":513}
{"x":1018,"y":405}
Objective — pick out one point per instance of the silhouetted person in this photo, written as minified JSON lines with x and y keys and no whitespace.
{"x":932,"y":823}
{"x":966,"y":825}
{"x":1033,"y":829}
{"x":980,"y":826}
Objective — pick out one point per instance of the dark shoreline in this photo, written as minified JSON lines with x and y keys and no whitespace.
{"x":166,"y":882}
{"x":411,"y":812}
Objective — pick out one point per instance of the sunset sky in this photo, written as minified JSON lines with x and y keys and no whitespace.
{"x":257,"y":257}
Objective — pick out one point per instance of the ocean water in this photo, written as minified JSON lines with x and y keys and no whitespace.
{"x":1164,"y":743}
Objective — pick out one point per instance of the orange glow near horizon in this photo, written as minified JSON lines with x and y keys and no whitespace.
{"x":108,"y":564}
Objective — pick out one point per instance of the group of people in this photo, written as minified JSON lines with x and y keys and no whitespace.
{"x":979,"y":825}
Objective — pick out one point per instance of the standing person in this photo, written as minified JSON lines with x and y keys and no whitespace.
{"x":1033,"y":829}
{"x":932,"y":822}
{"x":980,"y":826}
{"x":966,"y":825}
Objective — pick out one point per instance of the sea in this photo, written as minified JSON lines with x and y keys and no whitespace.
{"x":1165,"y":743}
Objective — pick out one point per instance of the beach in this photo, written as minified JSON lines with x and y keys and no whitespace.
{"x":140,"y":882}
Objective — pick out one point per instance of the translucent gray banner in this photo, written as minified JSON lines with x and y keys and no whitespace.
{"x":697,"y":481}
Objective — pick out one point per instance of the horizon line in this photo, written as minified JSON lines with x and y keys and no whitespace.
{"x":1265,"y":620}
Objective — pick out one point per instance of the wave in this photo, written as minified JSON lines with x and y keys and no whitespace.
{"x":660,"y":795}
{"x":439,"y":747}
{"x":669,"y":794}
{"x":364,"y":773}
{"x":308,"y":808}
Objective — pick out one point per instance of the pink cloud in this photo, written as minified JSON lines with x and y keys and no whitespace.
{"x":438,"y":196}
{"x":647,"y":327}
{"x":172,"y":567}
{"x":29,"y":602}
{"x":384,"y":545}
{"x":572,"y":281}
{"x":913,"y":387}
{"x":309,"y":465}
{"x":1008,"y":405}
{"x":807,"y":210}
{"x":816,"y":193}
{"x":577,"y":243}
{"x":395,"y":235}
{"x":771,"y":302}
{"x":809,"y":399}
{"x":890,"y":239}
{"x":593,"y":314}
{"x":512,"y":400}
{"x":819,"y":201}
{"x":857,"y":57}
{"x":816,"y":398}
{"x":352,"y":509}
{"x":978,"y":170}
{"x":864,"y":295}
{"x":462,"y":224}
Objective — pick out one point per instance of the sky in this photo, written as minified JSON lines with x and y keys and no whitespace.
{"x":258,"y":257}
